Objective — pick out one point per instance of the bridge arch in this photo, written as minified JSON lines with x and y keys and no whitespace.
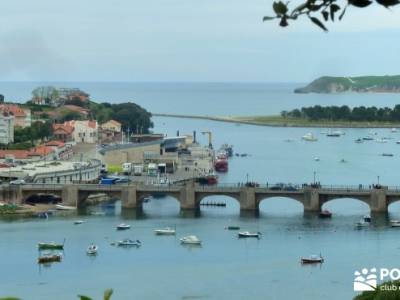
{"x":346,"y":205}
{"x":280,"y":205}
{"x":219,"y":204}
{"x":161,"y":205}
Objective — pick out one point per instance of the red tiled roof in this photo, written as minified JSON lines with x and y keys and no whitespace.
{"x":13,"y":109}
{"x":18,"y":154}
{"x":92,"y":124}
{"x":41,"y":150}
{"x":65,"y":128}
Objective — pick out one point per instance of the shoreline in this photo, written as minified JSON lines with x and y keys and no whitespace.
{"x":280,"y":122}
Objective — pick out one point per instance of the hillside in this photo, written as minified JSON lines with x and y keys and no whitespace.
{"x":362,"y":84}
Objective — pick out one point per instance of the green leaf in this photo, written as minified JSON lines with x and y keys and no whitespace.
{"x":318,"y":23}
{"x":387,"y":3}
{"x":84,"y":297}
{"x":107,"y":294}
{"x":360,"y":3}
{"x":333,"y":9}
{"x":280,"y":8}
{"x":266,"y":18}
{"x":325,"y":14}
{"x":283,"y":22}
{"x":342,"y":14}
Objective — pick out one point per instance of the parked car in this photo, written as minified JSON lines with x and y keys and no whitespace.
{"x":17,"y":182}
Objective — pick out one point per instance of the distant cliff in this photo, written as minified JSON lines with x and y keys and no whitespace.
{"x":362,"y":84}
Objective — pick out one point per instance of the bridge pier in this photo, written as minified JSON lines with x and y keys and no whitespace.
{"x":129,"y":197}
{"x":311,"y":200}
{"x":247,"y":199}
{"x":378,"y":201}
{"x":70,"y":195}
{"x":187,"y":197}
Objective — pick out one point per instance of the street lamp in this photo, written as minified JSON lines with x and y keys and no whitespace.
{"x":315,"y":173}
{"x":378,"y":179}
{"x":247,"y":177}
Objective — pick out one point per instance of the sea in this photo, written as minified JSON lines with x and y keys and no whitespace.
{"x":224,"y":267}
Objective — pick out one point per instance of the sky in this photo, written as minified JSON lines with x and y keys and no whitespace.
{"x":188,"y":40}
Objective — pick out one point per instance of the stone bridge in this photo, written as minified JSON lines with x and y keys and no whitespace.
{"x":189,"y":194}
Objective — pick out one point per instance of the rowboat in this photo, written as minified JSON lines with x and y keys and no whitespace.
{"x":395,"y":223}
{"x":247,"y":234}
{"x":64,"y":207}
{"x":51,"y":246}
{"x":128,"y":243}
{"x":123,"y":226}
{"x":49,"y":258}
{"x":325,"y":214}
{"x":312,"y":259}
{"x":190,"y":240}
{"x":92,"y":250}
{"x":165,"y":231}
{"x":232,"y":227}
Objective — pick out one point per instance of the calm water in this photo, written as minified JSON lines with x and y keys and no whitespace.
{"x":225,"y":267}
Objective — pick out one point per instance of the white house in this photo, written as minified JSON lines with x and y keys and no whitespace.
{"x":6,"y":128}
{"x":85,"y":131}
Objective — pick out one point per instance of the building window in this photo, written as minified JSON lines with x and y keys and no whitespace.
{"x":58,"y":179}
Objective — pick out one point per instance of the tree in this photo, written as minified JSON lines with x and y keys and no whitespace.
{"x":45,"y":94}
{"x":320,"y":12}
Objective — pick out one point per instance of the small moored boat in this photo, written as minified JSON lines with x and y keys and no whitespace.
{"x":387,"y":154}
{"x":312,"y":259}
{"x":309,"y":137}
{"x":367,"y":218}
{"x":49,"y":258}
{"x":362,"y":223}
{"x":395,"y":223}
{"x":128,"y":243}
{"x":64,"y":207}
{"x":123,"y":226}
{"x":78,"y":222}
{"x":247,"y":234}
{"x":190,"y":240}
{"x":92,"y":250}
{"x":325,"y":214}
{"x":165,"y":231}
{"x":232,"y":227}
{"x":51,"y":246}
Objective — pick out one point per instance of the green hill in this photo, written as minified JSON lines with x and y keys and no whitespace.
{"x":362,"y":84}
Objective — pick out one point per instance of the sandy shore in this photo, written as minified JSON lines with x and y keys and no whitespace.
{"x":277,"y":121}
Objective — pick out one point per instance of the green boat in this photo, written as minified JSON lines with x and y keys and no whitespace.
{"x":51,"y":246}
{"x":232,"y":227}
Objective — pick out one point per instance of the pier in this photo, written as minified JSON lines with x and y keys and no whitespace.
{"x":190,"y":194}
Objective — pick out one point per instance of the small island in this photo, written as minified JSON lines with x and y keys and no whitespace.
{"x":362,"y":84}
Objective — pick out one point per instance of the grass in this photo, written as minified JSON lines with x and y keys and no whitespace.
{"x":114,"y":168}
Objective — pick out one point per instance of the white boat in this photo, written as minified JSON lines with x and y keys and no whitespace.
{"x":64,"y":207}
{"x":312,"y":259}
{"x":247,"y":234}
{"x":92,"y":250}
{"x":316,"y":158}
{"x":367,"y":218}
{"x":382,"y":141}
{"x":129,"y":242}
{"x":309,"y":137}
{"x":190,"y":240}
{"x":123,"y":226}
{"x":165,"y":231}
{"x":78,"y":222}
{"x":394,"y":130}
{"x":395,"y":223}
{"x":362,"y":223}
{"x":398,"y":142}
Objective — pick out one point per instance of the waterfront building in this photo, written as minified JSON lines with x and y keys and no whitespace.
{"x":22,"y":116}
{"x":112,"y":126}
{"x":6,"y":128}
{"x":63,"y":132}
{"x":85,"y":131}
{"x":56,"y":172}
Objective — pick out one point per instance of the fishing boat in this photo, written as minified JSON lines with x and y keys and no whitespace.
{"x":228,"y":149}
{"x":165,"y":231}
{"x":312,"y":259}
{"x":334,"y":134}
{"x":359,"y":141}
{"x":247,"y":234}
{"x":362,"y":223}
{"x":395,"y":223}
{"x":368,"y":138}
{"x":232,"y":227}
{"x":367,"y":218}
{"x":221,"y":165}
{"x":51,"y":246}
{"x":309,"y":137}
{"x":129,"y":243}
{"x":92,"y":250}
{"x":49,"y":258}
{"x":316,"y":158}
{"x":325,"y":214}
{"x":123,"y":226}
{"x":343,"y":160}
{"x":78,"y":222}
{"x":190,"y":240}
{"x":387,"y":154}
{"x":64,"y":207}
